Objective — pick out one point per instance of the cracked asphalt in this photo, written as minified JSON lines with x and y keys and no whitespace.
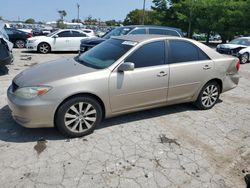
{"x":175,"y":146}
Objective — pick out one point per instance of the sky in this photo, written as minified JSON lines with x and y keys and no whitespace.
{"x":46,"y":10}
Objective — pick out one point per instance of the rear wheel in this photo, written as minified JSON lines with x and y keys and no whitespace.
{"x":78,"y":116}
{"x":208,"y":96}
{"x":20,"y":43}
{"x":44,"y":48}
{"x":244,"y":58}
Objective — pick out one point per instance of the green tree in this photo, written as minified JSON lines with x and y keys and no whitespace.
{"x":30,"y":21}
{"x":226,"y":17}
{"x":90,"y":20}
{"x":135,"y":17}
{"x":76,"y":21}
{"x":112,"y":23}
{"x":62,"y":14}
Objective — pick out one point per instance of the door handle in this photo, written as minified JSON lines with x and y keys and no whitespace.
{"x":207,"y":67}
{"x":162,"y":73}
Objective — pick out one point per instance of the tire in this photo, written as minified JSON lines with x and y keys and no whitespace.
{"x":208,"y":96}
{"x":78,"y":116}
{"x":244,"y":58}
{"x":44,"y":48}
{"x":20,"y":43}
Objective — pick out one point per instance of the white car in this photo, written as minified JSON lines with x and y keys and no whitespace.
{"x":234,"y":46}
{"x":60,"y":40}
{"x":89,"y":31}
{"x":244,"y":55}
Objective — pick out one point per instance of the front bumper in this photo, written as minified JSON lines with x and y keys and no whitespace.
{"x":84,"y":48}
{"x":35,"y":113}
{"x":31,"y":46}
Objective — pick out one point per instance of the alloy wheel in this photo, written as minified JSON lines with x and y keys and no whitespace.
{"x":80,"y":117}
{"x":20,"y":44}
{"x":210,"y":96}
{"x":44,"y":48}
{"x":244,"y":58}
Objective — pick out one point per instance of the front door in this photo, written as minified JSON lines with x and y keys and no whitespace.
{"x":62,"y":42}
{"x":146,"y":85}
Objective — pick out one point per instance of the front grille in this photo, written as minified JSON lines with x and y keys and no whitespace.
{"x":14,"y":87}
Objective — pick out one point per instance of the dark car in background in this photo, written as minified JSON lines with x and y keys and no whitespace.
{"x":17,"y":37}
{"x":86,"y":44}
{"x":234,"y":46}
{"x":41,"y":31}
{"x":6,"y":56}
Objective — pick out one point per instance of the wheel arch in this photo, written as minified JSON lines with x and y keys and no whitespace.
{"x":99,"y":100}
{"x":218,"y":81}
{"x":42,"y":43}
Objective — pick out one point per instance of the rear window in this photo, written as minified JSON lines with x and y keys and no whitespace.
{"x":118,"y":32}
{"x":163,"y":32}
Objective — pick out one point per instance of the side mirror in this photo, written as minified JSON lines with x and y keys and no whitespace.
{"x":127,"y":66}
{"x":55,"y":36}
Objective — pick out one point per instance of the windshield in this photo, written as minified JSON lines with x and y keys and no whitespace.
{"x":118,"y":32}
{"x":51,"y":34}
{"x":241,"y":41}
{"x":106,"y":53}
{"x":2,"y":31}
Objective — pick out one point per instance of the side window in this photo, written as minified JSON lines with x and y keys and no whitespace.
{"x":64,"y":34}
{"x":163,"y":32}
{"x":157,"y":31}
{"x":173,"y":33}
{"x":151,"y":54}
{"x":181,"y":51}
{"x":78,"y":34}
{"x":138,"y":31}
{"x":202,"y":55}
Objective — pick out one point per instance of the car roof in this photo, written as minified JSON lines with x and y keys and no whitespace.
{"x":154,"y":26}
{"x":69,"y":30}
{"x":143,"y":38}
{"x":243,"y":38}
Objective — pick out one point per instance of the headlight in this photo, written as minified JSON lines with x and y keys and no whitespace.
{"x":31,"y":92}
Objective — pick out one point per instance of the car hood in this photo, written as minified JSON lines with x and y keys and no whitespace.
{"x":38,"y":37}
{"x":92,"y":41}
{"x":44,"y":73}
{"x":231,"y":46}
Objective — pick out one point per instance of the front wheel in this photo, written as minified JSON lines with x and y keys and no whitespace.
{"x":78,"y":116}
{"x":44,"y":48}
{"x":208,"y":96}
{"x":244,"y":58}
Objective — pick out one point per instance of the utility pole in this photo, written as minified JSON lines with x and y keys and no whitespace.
{"x":143,"y":13}
{"x":78,"y":7}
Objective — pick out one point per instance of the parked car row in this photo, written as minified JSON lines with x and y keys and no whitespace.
{"x":60,"y":40}
{"x":239,"y":47}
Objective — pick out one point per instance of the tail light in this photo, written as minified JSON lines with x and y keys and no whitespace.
{"x":30,"y":35}
{"x":238,"y":65}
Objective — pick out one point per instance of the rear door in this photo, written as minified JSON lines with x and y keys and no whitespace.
{"x":75,"y":41}
{"x":190,"y":69}
{"x":146,"y":85}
